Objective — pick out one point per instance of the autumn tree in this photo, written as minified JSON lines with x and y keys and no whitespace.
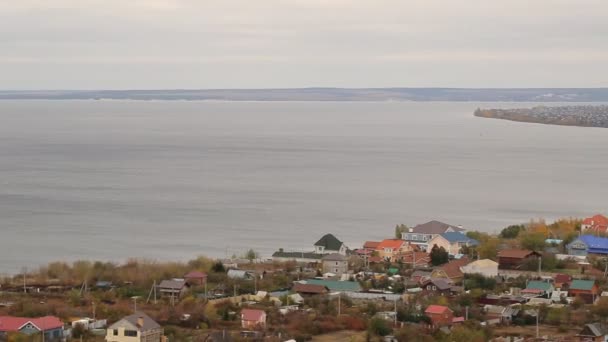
{"x":533,"y":241}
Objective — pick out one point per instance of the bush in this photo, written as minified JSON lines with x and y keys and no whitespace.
{"x":379,"y":327}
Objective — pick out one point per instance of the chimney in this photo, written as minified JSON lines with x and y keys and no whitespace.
{"x":140,"y":322}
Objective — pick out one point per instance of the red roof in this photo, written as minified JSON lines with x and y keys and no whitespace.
{"x":436,"y":309}
{"x":457,"y":319}
{"x":252,"y":315}
{"x":371,"y":244}
{"x":196,"y":275}
{"x":421,"y":258}
{"x":562,"y":278}
{"x":598,"y":219}
{"x":452,"y":268}
{"x":515,"y":253}
{"x":11,"y":324}
{"x":390,"y":243}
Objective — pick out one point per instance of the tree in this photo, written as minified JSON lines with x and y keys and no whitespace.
{"x":251,"y":255}
{"x":488,"y":248}
{"x":512,"y":231}
{"x":379,"y":326}
{"x":533,"y":241}
{"x":439,"y":255}
{"x":218,"y":267}
{"x":600,"y":308}
{"x":400,"y":228}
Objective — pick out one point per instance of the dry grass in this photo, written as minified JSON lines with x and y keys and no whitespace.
{"x":341,"y":336}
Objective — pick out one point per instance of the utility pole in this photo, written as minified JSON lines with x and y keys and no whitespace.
{"x":24,"y":285}
{"x":339,"y":303}
{"x":395,"y":318}
{"x":537,"y":318}
{"x":135,"y":303}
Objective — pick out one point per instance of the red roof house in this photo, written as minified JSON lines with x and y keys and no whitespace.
{"x":440,"y":315}
{"x":196,"y":277}
{"x":252,"y":318}
{"x":50,"y":325}
{"x":371,"y":245}
{"x":596,"y":224}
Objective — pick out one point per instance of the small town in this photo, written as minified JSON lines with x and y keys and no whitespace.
{"x":586,"y":116}
{"x":430,"y":282}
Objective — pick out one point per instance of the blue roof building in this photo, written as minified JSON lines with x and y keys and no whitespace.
{"x":588,"y":244}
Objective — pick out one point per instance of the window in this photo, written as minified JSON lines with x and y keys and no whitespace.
{"x":115,"y":332}
{"x":131,"y":333}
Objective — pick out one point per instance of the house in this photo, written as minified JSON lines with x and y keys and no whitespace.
{"x":309,"y":289}
{"x":537,"y":288}
{"x":329,"y":244}
{"x":51,"y":326}
{"x":175,"y":288}
{"x":515,"y":258}
{"x":136,"y":327}
{"x":415,"y":259}
{"x":585,"y":289}
{"x":300,"y":257}
{"x":335,"y":263}
{"x":451,"y":270}
{"x":421,"y":234}
{"x":562,"y":281}
{"x":596,"y":332}
{"x":452,"y":242}
{"x":437,"y":286}
{"x":440,"y":315}
{"x":390,"y":249}
{"x":240,"y":274}
{"x":588,"y":244}
{"x":371,"y":245}
{"x":196,"y":278}
{"x":597,"y":224}
{"x":335,"y":285}
{"x":420,"y":276}
{"x":253,"y":318}
{"x":486,"y":267}
{"x":504,"y":314}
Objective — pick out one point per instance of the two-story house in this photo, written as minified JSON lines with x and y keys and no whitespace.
{"x":392,"y":249}
{"x":329,"y":244}
{"x":137,"y":327}
{"x":452,"y":242}
{"x":440,"y":315}
{"x":423,"y":233}
{"x":335,"y":263}
{"x":253,"y":318}
{"x":597,"y":224}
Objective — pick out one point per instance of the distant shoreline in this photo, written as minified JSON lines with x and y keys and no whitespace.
{"x":325,"y":94}
{"x":580,"y":116}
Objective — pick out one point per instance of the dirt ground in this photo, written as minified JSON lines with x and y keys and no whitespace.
{"x":530,"y":331}
{"x":341,"y":336}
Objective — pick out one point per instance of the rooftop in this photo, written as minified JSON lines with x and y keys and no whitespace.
{"x":454,"y":237}
{"x":252,"y":315}
{"x":585,"y":285}
{"x":12,"y":324}
{"x":436,"y":227}
{"x":330,"y":242}
{"x":436,"y":309}
{"x":335,"y":285}
{"x":148,"y":323}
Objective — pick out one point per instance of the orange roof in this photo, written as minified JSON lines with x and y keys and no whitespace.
{"x":390,"y":243}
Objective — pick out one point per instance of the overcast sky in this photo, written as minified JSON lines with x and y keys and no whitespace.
{"x":145,"y":44}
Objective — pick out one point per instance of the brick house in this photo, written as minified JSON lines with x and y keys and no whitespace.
{"x":253,"y":318}
{"x":440,"y":315}
{"x":585,"y":289}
